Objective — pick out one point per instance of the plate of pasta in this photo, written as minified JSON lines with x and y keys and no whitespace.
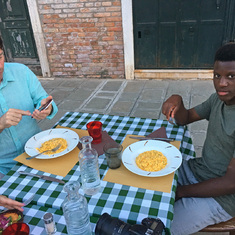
{"x":46,"y":140}
{"x":151,"y":158}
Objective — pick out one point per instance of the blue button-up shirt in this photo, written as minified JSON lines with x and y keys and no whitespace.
{"x":19,"y":89}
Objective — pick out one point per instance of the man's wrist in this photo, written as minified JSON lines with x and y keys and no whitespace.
{"x":1,"y":128}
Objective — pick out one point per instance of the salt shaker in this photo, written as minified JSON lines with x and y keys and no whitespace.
{"x":49,"y":224}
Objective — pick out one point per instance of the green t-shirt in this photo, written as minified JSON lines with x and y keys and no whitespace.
{"x":219,"y":146}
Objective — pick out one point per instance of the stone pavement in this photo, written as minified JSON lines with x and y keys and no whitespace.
{"x":138,"y":98}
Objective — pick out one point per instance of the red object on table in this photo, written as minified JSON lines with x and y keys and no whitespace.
{"x":16,"y":229}
{"x":95,"y":131}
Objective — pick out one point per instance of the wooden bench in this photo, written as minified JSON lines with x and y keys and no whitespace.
{"x":228,"y":226}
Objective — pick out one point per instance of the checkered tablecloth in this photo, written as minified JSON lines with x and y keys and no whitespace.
{"x":124,"y":202}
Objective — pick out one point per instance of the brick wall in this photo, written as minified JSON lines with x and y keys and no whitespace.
{"x":83,"y":37}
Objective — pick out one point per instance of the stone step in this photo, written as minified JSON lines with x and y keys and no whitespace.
{"x":174,"y":74}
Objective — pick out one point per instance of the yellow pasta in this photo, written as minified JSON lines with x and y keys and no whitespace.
{"x":52,"y":143}
{"x":152,"y":160}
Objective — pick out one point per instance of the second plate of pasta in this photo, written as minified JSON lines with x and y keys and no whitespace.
{"x":49,"y":139}
{"x":165,"y":151}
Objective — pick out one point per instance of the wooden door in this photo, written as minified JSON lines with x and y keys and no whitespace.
{"x":180,"y":33}
{"x":17,"y":34}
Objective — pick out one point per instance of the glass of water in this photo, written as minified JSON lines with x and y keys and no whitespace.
{"x":113,"y":154}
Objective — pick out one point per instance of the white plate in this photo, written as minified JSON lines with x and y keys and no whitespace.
{"x":173,"y":155}
{"x":37,"y":140}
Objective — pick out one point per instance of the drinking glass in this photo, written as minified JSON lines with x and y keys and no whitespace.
{"x":16,"y":229}
{"x":113,"y":154}
{"x":95,"y":131}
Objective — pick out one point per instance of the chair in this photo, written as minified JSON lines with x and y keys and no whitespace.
{"x":228,"y":226}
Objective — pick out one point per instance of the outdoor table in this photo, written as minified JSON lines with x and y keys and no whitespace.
{"x":127,"y":203}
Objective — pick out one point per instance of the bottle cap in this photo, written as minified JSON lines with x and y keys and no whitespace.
{"x":48,"y":218}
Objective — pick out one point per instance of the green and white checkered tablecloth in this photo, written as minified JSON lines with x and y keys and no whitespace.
{"x":124,"y":202}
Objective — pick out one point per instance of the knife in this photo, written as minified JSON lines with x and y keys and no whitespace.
{"x":44,"y":177}
{"x":150,"y":138}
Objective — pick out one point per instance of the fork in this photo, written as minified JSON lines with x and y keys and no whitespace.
{"x":172,"y":121}
{"x":52,"y":150}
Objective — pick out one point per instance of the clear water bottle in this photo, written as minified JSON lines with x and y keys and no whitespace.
{"x":89,"y":167}
{"x":75,"y":210}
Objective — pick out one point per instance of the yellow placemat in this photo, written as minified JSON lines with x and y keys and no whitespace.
{"x":57,"y":166}
{"x":126,"y":177}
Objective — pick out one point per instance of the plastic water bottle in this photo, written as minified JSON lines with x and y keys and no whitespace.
{"x":75,"y":210}
{"x":89,"y":167}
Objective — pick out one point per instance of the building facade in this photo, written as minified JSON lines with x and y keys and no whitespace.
{"x":83,"y":38}
{"x":75,"y":38}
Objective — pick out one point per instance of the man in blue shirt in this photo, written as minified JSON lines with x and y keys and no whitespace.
{"x":21,"y":95}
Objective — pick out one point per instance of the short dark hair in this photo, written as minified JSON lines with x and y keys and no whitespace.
{"x":225,"y":53}
{"x":1,"y":43}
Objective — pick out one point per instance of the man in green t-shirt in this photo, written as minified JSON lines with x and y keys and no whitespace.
{"x":205,"y":193}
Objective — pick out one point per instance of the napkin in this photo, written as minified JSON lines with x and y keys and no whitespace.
{"x":126,"y":177}
{"x":106,"y":138}
{"x":57,"y":166}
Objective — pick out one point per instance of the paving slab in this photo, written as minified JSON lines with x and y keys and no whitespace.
{"x":60,"y":94}
{"x":72,"y":83}
{"x":134,"y":86}
{"x":145,"y":114}
{"x":112,"y":85}
{"x":80,"y":94}
{"x":147,"y":105}
{"x":70,"y":104}
{"x":106,"y":94}
{"x":92,"y":84}
{"x":125,"y":96}
{"x":156,"y":95}
{"x":157,"y":84}
{"x":52,"y":83}
{"x":122,"y":106}
{"x":97,"y":103}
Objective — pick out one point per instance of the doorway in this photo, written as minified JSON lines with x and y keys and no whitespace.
{"x":182,"y":34}
{"x":17,"y":34}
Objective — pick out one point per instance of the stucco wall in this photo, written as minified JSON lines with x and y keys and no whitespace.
{"x":84,"y":38}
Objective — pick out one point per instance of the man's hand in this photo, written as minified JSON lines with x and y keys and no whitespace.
{"x":10,"y":204}
{"x":174,"y":107}
{"x":39,"y":115}
{"x":171,"y":106}
{"x":12,"y":117}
